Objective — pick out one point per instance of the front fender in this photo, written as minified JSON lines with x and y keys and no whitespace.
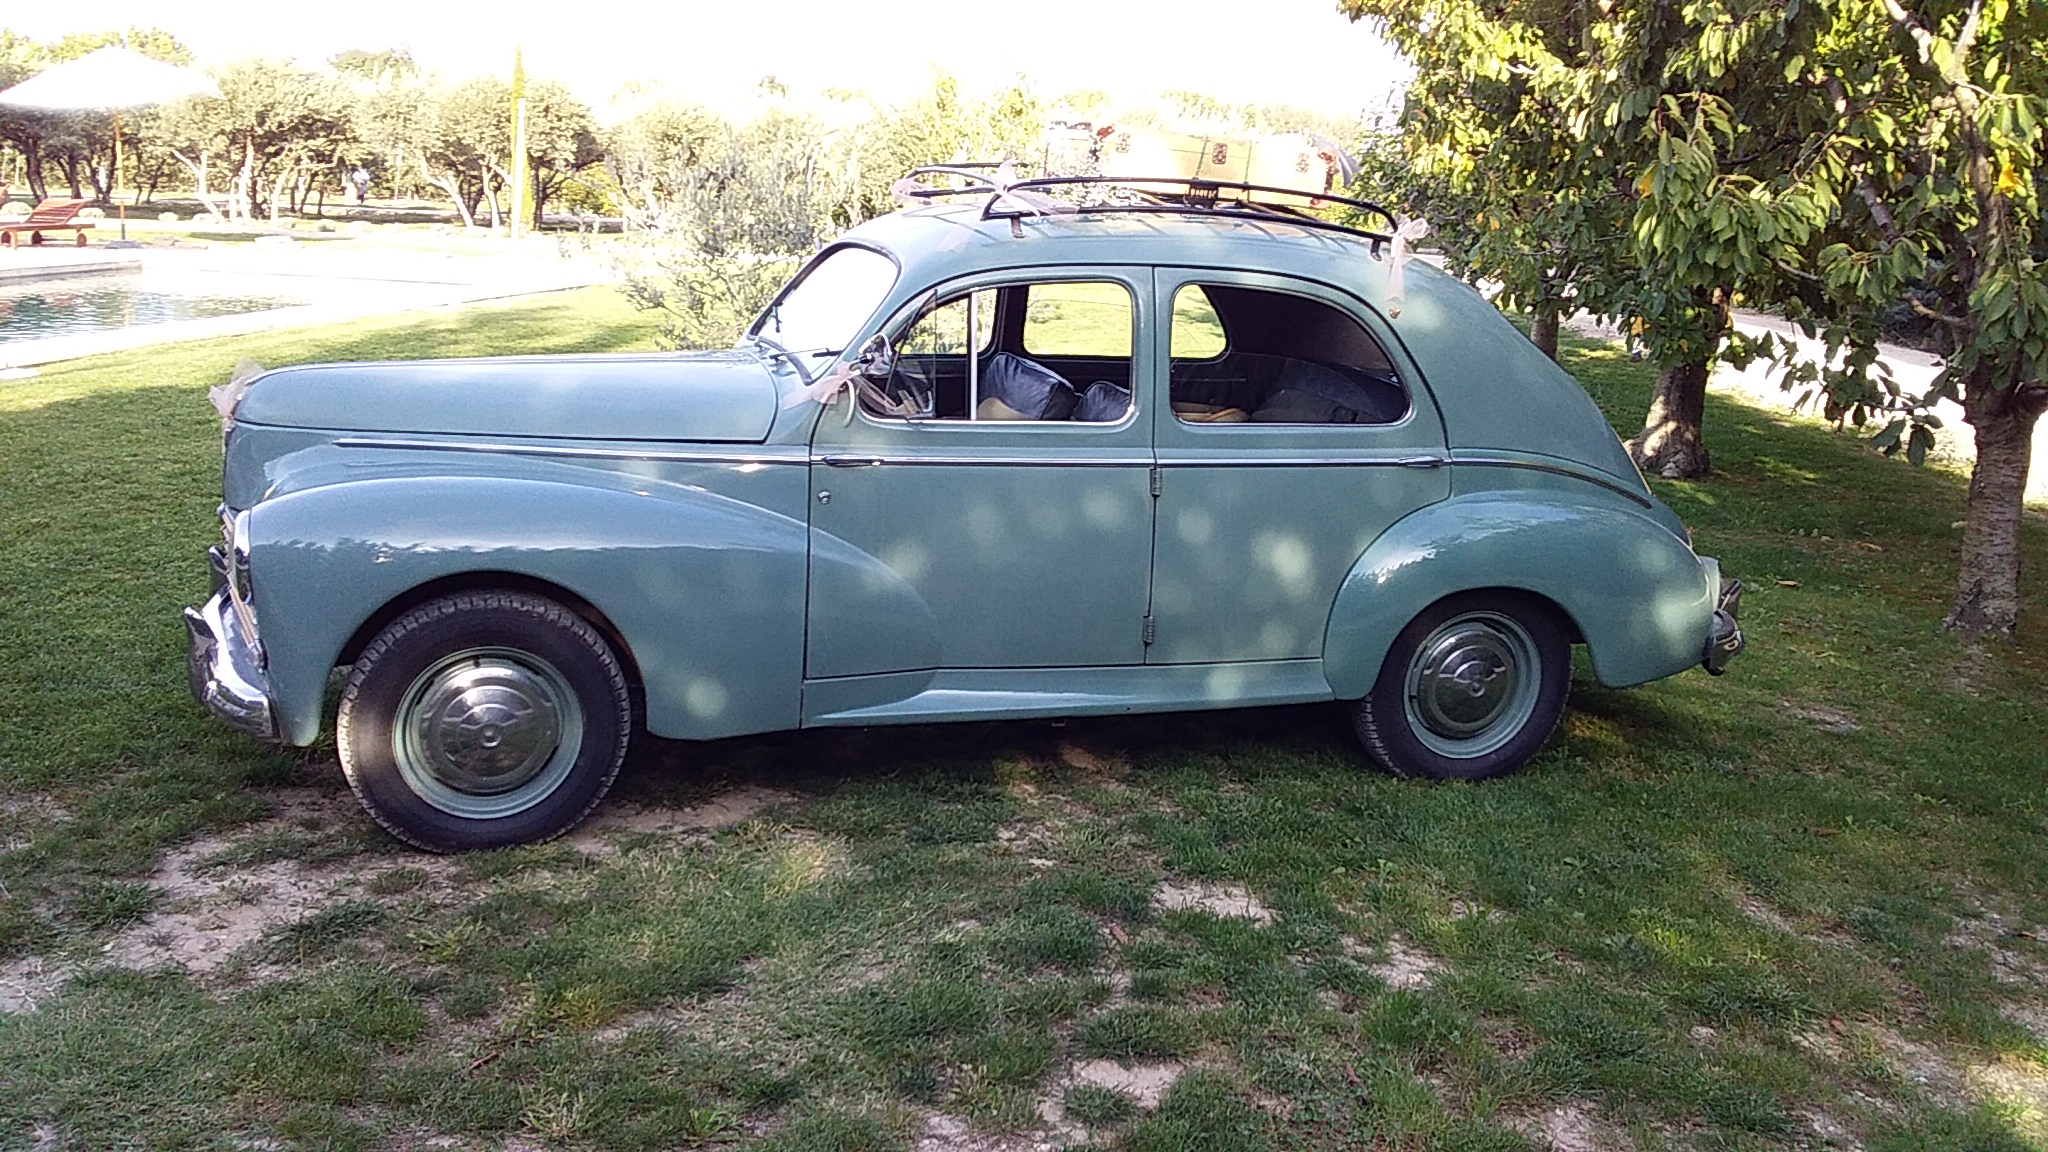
{"x":708,"y":592}
{"x":1640,"y":598}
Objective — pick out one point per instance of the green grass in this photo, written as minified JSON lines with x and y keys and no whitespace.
{"x":1710,"y":911}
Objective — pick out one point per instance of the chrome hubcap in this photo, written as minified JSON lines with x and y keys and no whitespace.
{"x":1472,"y":685}
{"x":487,"y":732}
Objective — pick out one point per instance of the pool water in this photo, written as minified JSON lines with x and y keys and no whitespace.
{"x":46,"y":308}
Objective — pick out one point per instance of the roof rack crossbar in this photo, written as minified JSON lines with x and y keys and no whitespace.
{"x":1200,"y":198}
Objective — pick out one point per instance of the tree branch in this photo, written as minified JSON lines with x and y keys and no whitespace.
{"x":1960,"y":323}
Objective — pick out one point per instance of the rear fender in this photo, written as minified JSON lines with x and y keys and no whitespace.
{"x":1636,"y":593}
{"x":706,"y":591}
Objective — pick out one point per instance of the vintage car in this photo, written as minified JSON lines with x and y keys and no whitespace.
{"x":1003,"y":458}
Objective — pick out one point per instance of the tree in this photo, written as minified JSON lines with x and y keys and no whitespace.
{"x":1570,"y":132}
{"x":468,"y":140}
{"x":715,"y":252}
{"x":1934,"y":143}
{"x":277,"y":123}
{"x":1832,"y":157}
{"x":561,"y":141}
{"x":652,"y":153}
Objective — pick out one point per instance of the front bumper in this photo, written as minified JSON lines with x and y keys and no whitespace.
{"x":225,"y":669}
{"x":1724,"y":638}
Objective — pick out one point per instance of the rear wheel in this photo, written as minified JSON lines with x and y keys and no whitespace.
{"x":1471,"y":688}
{"x":483,"y":719}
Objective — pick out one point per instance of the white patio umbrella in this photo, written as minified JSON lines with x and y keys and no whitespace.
{"x":110,"y":79}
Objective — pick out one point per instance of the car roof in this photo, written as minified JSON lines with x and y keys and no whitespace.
{"x":940,"y":242}
{"x":1492,"y":387}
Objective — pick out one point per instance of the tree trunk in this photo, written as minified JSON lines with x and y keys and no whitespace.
{"x":1987,"y":599}
{"x":491,"y":194}
{"x":36,"y":183}
{"x":1543,"y":327}
{"x":1670,"y":444}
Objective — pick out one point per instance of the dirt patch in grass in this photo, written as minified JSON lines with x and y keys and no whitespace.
{"x":597,"y":835}
{"x":1462,"y":909}
{"x":2032,"y":1017}
{"x":1820,"y":716}
{"x":209,"y":910}
{"x":1227,"y":901}
{"x":1573,"y":1127}
{"x":2019,"y":1089}
{"x":2015,"y":956}
{"x":1145,"y":1083}
{"x":1398,"y":963}
{"x":943,"y":1133}
{"x":28,"y":981}
{"x":1831,"y":1133}
{"x":1922,"y":1066}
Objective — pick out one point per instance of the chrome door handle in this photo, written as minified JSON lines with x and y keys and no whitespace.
{"x":850,"y":461}
{"x":1420,"y":461}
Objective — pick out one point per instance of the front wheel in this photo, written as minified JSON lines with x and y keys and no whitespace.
{"x":483,"y":719}
{"x":1471,"y":688}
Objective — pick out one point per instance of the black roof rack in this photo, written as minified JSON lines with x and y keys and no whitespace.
{"x":1200,"y":198}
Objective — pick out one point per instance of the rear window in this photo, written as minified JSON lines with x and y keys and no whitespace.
{"x":1255,"y":356}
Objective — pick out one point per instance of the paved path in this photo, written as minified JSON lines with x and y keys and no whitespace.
{"x":1915,"y":371}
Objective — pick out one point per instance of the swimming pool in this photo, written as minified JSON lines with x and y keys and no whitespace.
{"x":45,"y":308}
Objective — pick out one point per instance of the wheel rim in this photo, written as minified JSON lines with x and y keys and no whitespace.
{"x":487,"y":733}
{"x":1472,"y":685}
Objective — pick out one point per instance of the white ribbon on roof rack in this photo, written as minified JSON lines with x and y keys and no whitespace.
{"x":1406,"y":233}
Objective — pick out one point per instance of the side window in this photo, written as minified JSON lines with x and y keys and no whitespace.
{"x":1048,"y":351}
{"x":1091,"y":320}
{"x":1254,"y":356}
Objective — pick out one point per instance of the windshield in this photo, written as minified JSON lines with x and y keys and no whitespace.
{"x":824,"y":309}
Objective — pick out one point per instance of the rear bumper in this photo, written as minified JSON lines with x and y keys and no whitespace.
{"x":225,"y":671}
{"x":1724,"y":637}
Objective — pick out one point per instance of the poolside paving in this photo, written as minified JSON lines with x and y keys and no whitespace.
{"x":321,"y":281}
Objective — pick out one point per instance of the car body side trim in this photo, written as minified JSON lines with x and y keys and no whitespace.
{"x":689,"y":455}
{"x":1471,"y":461}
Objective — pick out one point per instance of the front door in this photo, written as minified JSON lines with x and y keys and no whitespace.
{"x":992,"y":509}
{"x":1290,"y":440}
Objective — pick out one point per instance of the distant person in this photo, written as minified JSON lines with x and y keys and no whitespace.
{"x":359,"y":182}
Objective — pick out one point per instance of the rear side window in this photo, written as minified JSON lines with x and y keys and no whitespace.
{"x":1255,"y":356}
{"x":1078,"y":319}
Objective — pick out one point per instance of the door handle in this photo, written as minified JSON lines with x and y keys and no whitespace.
{"x":850,"y":461}
{"x":1421,"y":461}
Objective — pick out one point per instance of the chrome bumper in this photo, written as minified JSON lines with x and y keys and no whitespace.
{"x":1724,"y":639}
{"x":224,"y":670}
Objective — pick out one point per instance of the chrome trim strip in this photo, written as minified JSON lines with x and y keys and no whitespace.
{"x":1554,"y":469}
{"x":683,"y":455}
{"x":847,"y":460}
{"x":1256,"y":461}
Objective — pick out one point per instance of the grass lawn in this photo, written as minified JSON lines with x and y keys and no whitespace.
{"x":1798,"y":906}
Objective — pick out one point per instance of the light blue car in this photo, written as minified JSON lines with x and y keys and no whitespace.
{"x":990,"y":459}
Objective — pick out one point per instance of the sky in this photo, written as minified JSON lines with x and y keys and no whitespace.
{"x":1297,"y":52}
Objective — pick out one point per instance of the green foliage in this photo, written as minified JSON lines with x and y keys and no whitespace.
{"x":730,"y":233}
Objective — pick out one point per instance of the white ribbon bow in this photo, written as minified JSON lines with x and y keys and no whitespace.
{"x":1406,"y":233}
{"x":227,"y":397}
{"x":824,"y":388}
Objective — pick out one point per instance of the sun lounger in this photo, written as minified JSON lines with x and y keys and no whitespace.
{"x":50,"y":216}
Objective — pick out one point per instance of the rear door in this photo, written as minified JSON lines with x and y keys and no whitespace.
{"x":1294,"y":434}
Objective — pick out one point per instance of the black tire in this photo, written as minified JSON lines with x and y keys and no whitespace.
{"x":482,"y":720}
{"x":1429,"y":714}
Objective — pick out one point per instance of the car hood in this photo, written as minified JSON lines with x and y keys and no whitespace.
{"x":727,"y":397}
